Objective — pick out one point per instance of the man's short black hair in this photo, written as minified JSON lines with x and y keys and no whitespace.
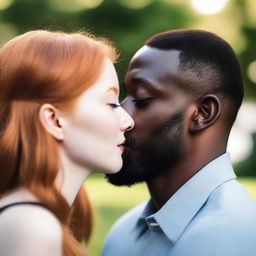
{"x":211,"y":61}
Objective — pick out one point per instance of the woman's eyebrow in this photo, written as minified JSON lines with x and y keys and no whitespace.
{"x":114,"y":89}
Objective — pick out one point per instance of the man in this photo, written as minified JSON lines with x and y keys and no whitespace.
{"x":184,"y":88}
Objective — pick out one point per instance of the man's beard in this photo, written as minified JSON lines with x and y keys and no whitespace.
{"x":142,"y":161}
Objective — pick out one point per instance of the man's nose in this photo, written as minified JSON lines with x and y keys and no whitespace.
{"x":127,"y":105}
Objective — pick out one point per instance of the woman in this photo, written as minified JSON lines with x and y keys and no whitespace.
{"x":60,"y":121}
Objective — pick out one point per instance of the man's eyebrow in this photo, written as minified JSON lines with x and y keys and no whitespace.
{"x":143,"y":82}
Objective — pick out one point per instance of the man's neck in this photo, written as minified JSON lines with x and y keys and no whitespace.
{"x":163,"y":187}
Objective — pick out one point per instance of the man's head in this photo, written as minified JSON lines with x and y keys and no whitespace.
{"x":182,"y":86}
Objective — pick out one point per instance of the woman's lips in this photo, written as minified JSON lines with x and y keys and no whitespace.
{"x":121,"y":146}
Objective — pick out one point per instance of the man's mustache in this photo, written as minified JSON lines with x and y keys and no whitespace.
{"x":130,"y":141}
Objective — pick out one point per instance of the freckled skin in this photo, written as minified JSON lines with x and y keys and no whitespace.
{"x":163,"y":150}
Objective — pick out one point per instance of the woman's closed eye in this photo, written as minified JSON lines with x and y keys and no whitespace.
{"x":114,"y":105}
{"x":141,"y":103}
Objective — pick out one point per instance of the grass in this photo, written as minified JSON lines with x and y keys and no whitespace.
{"x":109,"y":203}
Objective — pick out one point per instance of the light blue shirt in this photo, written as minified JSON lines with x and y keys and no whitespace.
{"x":210,"y":215}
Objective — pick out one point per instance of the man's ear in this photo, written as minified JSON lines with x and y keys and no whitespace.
{"x":206,"y":114}
{"x":49,"y":118}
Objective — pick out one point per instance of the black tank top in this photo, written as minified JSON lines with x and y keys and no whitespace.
{"x":18,"y":203}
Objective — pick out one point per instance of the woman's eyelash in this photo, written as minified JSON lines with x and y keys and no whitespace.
{"x":113,"y":105}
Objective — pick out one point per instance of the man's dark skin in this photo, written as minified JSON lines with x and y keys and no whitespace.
{"x":184,"y":88}
{"x":158,"y":90}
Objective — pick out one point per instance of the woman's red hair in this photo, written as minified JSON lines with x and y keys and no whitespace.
{"x":35,"y":68}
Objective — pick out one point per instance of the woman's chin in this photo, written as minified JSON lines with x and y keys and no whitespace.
{"x":114,"y":168}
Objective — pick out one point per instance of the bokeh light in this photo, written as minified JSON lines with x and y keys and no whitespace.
{"x":251,"y":12}
{"x":252,"y":71}
{"x":239,"y":145}
{"x":135,"y":4}
{"x":240,"y":142}
{"x":208,"y":6}
{"x":246,"y":117}
{"x":5,"y":4}
{"x":90,"y":4}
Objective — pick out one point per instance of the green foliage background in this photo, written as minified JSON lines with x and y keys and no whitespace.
{"x":130,"y":27}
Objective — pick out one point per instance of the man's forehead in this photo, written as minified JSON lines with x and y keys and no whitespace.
{"x":160,"y":68}
{"x":148,"y":56}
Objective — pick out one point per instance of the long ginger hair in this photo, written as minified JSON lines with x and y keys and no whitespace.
{"x":35,"y":68}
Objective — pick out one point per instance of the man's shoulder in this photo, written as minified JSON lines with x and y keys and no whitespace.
{"x":233,"y":197}
{"x":218,"y":235}
{"x":229,"y":210}
{"x":225,"y":225}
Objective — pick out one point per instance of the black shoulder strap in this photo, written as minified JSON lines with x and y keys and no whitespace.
{"x":18,"y":203}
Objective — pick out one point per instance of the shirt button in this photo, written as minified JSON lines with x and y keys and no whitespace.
{"x":153,"y":224}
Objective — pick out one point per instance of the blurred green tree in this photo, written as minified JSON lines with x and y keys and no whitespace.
{"x":128,"y":27}
{"x":247,"y":167}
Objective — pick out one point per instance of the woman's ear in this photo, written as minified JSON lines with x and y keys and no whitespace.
{"x":207,"y":112}
{"x":49,"y":118}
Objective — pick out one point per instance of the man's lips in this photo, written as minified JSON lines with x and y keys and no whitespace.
{"x":124,"y":146}
{"x":127,"y":144}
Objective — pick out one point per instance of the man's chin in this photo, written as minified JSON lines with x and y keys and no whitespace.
{"x":129,"y":173}
{"x":121,"y":179}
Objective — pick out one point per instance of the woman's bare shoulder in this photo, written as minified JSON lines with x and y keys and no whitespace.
{"x":30,"y":230}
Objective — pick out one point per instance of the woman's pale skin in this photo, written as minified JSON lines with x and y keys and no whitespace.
{"x":90,"y":140}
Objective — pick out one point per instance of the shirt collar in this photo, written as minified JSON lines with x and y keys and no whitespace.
{"x":178,"y":211}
